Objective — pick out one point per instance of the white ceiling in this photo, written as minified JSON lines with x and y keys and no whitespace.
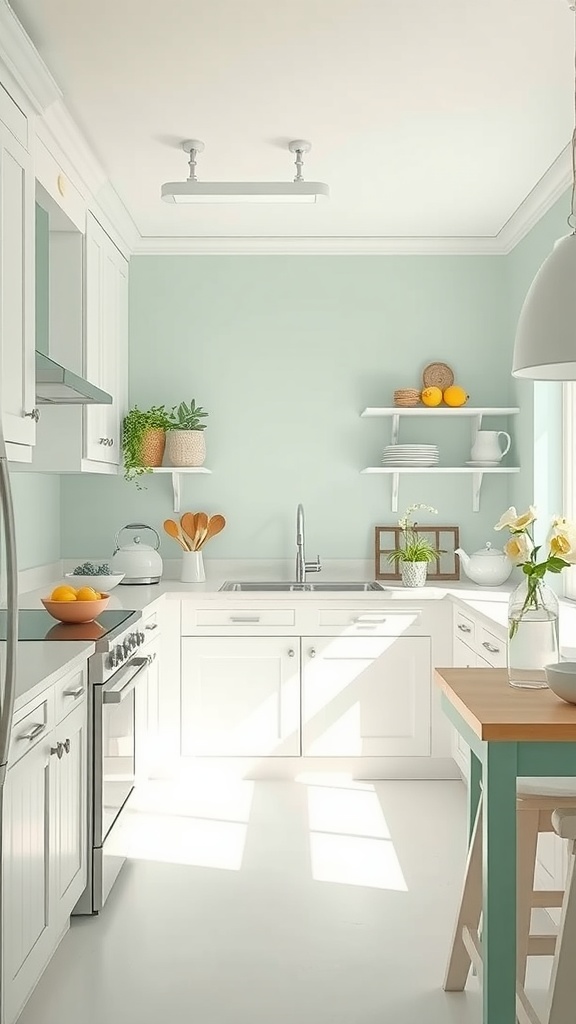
{"x":426,"y":118}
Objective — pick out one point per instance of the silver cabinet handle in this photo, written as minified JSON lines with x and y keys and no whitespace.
{"x":58,"y":750}
{"x":34,"y":415}
{"x":153,"y":625}
{"x":67,"y":745}
{"x":312,"y":652}
{"x":490,"y":647}
{"x":244,"y":618}
{"x":74,"y":693}
{"x":32,"y":733}
{"x":368,"y":620}
{"x":465,"y":629}
{"x":291,"y":652}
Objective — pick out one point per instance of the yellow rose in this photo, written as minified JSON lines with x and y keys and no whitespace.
{"x":509,"y":516}
{"x":518,"y":548}
{"x":563,"y":543}
{"x":526,"y":519}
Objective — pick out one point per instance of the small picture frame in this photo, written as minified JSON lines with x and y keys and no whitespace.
{"x":445,"y":539}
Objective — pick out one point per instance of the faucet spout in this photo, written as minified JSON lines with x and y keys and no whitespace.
{"x":302,"y":566}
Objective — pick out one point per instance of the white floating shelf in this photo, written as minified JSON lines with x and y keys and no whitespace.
{"x":176,"y":473}
{"x":476,"y":472}
{"x":442,"y":410}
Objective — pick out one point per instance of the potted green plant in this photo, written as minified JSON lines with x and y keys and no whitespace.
{"x":144,"y":439}
{"x":185,"y":444}
{"x":415,"y":552}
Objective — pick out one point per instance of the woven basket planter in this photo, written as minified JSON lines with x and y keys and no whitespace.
{"x":186,"y":447}
{"x":152,"y":448}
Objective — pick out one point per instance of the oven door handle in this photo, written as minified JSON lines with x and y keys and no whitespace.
{"x":117,"y":693}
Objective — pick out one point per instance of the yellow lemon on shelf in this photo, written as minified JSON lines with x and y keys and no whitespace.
{"x":63,"y":594}
{"x":455,"y":396}
{"x":87,"y":594}
{"x":431,"y":396}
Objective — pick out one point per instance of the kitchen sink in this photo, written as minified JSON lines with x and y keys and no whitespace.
{"x":305,"y":588}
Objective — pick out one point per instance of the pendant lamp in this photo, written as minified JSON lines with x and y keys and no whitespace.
{"x":545,"y":346}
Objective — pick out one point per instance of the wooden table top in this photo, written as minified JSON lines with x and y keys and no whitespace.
{"x":494,"y":710}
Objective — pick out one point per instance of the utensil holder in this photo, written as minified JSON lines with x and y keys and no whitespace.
{"x":192,"y":567}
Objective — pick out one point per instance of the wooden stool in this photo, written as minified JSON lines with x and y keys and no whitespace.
{"x":562,"y":1006}
{"x":537,"y":801}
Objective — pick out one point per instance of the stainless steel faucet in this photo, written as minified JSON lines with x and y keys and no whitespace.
{"x":302,"y":566}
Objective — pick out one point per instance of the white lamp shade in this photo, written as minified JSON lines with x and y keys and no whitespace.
{"x":545,"y":347}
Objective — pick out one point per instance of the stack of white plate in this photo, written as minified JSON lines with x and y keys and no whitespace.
{"x":410,"y":455}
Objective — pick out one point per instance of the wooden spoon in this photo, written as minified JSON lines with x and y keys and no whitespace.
{"x":188,"y":525}
{"x":173,"y":530}
{"x":201,"y":520}
{"x":215,"y":525}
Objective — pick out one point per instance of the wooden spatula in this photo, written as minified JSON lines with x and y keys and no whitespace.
{"x":173,"y":530}
{"x":215,"y":525}
{"x":188,"y":526}
{"x":201,"y":520}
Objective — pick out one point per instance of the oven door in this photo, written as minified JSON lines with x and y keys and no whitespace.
{"x":114,"y":745}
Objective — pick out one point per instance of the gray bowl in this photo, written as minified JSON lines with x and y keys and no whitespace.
{"x":561,"y":678}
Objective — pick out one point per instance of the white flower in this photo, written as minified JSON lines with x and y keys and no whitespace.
{"x":514,"y":522}
{"x":404,"y":521}
{"x":518,"y":548}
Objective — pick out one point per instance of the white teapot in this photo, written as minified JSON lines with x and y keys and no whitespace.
{"x":488,"y":567}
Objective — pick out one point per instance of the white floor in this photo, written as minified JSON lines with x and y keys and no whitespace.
{"x":272,"y":903}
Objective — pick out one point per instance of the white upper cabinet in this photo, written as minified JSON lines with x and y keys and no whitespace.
{"x":17,"y":329}
{"x":106,"y":342}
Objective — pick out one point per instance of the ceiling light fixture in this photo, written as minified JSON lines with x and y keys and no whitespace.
{"x":545,"y":347}
{"x":194,"y":191}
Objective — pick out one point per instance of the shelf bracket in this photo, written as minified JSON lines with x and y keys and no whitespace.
{"x":176,"y":490}
{"x":476,"y":488}
{"x":395,"y":487}
{"x":395,"y":431}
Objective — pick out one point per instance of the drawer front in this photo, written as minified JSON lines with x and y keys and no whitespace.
{"x":150,"y":625}
{"x":490,"y":647}
{"x":241,"y":618}
{"x":68,"y":692}
{"x":465,"y":628}
{"x":31,"y":725}
{"x":367,"y":622}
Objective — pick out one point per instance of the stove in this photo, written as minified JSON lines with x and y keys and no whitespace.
{"x":37,"y":624}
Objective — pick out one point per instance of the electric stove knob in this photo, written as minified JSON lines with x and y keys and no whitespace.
{"x":127,"y":647}
{"x":140,"y":638}
{"x":117,"y":656}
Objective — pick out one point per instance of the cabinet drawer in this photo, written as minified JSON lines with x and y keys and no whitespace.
{"x":68,"y":692}
{"x":31,"y":725}
{"x":243,"y":618}
{"x":364,"y":622}
{"x":149,"y":625}
{"x":490,"y":647}
{"x":465,"y":628}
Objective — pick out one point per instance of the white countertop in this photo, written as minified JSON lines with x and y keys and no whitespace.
{"x":41,"y":663}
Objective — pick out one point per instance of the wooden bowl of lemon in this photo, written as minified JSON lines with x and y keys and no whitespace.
{"x":68,"y":604}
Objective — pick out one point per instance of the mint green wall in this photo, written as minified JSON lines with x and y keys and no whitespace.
{"x":539,"y":429}
{"x":285,"y":352}
{"x":37,"y":510}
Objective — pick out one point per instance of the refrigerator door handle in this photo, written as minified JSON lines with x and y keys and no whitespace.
{"x":8,"y":692}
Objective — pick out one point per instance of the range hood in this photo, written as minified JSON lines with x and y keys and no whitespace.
{"x":55,"y":385}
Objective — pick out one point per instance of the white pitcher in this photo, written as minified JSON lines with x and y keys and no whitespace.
{"x":486,"y":447}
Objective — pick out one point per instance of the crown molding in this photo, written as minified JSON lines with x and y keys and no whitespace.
{"x":546,"y":192}
{"x":314,"y":246}
{"x":18,"y":53}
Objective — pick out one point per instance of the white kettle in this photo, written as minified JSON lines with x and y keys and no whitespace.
{"x":488,"y":567}
{"x":140,"y":562}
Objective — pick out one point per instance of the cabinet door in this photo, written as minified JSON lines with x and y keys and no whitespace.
{"x":366,"y":696}
{"x":240,"y":696}
{"x":17,"y":327}
{"x":28,"y":828}
{"x":106,"y":341}
{"x":70,"y":815}
{"x":463,"y":657}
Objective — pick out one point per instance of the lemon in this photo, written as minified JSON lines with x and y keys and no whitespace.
{"x":63,"y":593}
{"x":455,"y":396}
{"x":431,"y":396}
{"x":87,"y":594}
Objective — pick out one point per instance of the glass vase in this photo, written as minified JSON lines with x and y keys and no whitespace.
{"x":532,"y":634}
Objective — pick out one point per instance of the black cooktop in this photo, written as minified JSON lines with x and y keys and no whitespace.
{"x":37,"y":624}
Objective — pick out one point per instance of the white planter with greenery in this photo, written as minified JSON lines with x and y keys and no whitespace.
{"x":185,"y":443}
{"x":415,"y":552}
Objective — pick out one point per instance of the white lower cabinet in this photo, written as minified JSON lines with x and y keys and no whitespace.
{"x":44,"y":841}
{"x":366,"y":696}
{"x":240,"y":696}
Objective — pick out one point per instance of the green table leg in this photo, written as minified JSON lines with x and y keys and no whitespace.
{"x":474,"y":790}
{"x":499,"y":883}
